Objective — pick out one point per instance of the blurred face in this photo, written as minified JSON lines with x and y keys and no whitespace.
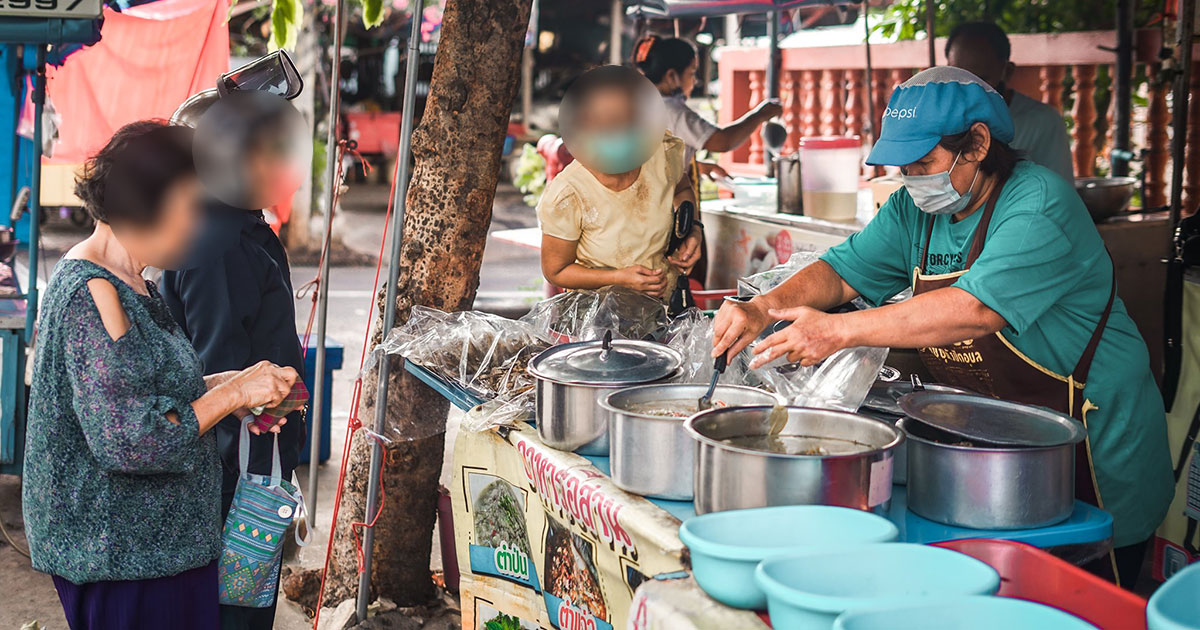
{"x":981,"y":61}
{"x":607,"y":111}
{"x":166,"y":242}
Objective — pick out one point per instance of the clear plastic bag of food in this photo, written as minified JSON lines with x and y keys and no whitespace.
{"x":841,"y":381}
{"x":587,"y":315}
{"x":481,"y":352}
{"x":764,"y":281}
{"x":691,"y":334}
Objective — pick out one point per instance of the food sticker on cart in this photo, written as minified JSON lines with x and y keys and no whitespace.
{"x":880,"y":490}
{"x":500,"y":547}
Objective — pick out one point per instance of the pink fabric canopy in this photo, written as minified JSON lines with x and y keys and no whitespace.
{"x":149,"y":59}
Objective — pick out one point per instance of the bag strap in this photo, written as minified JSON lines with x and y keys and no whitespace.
{"x":244,"y":452}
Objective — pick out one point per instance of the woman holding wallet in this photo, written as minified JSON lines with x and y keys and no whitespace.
{"x":122,"y":480}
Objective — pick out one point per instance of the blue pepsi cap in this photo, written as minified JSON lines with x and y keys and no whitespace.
{"x":937,"y":102}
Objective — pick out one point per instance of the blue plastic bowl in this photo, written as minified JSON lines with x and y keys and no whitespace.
{"x":1176,"y":604}
{"x":727,"y":546}
{"x":977,"y":612}
{"x":810,"y":589}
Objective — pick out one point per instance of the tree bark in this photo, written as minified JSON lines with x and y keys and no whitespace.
{"x":449,"y":207}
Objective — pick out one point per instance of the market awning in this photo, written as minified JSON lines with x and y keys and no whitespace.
{"x":711,"y":8}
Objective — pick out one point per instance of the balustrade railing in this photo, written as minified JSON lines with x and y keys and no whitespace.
{"x":823,"y":91}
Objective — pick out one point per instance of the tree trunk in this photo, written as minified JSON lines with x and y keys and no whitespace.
{"x":449,"y":207}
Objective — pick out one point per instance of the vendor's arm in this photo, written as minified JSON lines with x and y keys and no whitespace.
{"x":936,"y":318}
{"x":732,"y":136}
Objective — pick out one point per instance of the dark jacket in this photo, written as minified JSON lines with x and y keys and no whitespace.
{"x":234,"y":301}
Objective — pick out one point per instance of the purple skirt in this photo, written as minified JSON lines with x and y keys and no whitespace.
{"x":185,"y":601}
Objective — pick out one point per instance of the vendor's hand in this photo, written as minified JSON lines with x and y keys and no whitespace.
{"x":643,"y":279}
{"x":736,"y":325}
{"x":688,"y":253}
{"x":812,"y":336}
{"x":768,"y":109}
{"x":263,"y":384}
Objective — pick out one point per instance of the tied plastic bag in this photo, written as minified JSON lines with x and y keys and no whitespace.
{"x":587,"y":315}
{"x":484,"y":353}
{"x":691,"y":335}
{"x":840,"y":382}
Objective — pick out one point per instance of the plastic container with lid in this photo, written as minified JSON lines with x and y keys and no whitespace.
{"x":829,"y":172}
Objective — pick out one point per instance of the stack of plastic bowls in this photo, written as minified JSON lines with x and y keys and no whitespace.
{"x":962,"y":613}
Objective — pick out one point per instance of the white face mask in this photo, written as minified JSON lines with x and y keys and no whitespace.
{"x":935,"y":193}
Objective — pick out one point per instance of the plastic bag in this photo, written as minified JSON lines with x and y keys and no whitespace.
{"x":764,"y":281}
{"x":587,"y":315}
{"x":841,"y":381}
{"x":481,"y":352}
{"x":691,"y":334}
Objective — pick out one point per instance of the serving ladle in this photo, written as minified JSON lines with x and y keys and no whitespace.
{"x":705,"y":401}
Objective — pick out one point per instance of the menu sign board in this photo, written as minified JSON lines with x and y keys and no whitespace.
{"x":84,"y":9}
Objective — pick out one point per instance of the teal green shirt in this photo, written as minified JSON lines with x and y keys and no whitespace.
{"x":1044,"y":269}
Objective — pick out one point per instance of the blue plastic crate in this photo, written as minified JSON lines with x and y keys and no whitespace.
{"x":333,"y":361}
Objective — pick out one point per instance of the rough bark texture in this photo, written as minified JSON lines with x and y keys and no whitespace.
{"x":449,"y":207}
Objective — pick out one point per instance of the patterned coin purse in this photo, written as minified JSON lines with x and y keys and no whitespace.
{"x":263,"y":507}
{"x":296,"y":399}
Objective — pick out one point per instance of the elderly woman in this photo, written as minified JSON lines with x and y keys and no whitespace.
{"x":122,"y":482}
{"x":1014,"y":295}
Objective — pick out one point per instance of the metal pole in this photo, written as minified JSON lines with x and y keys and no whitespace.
{"x":1179,"y":106}
{"x":1122,"y":94}
{"x":869,"y":128}
{"x":35,"y":192}
{"x":930,"y":33}
{"x":396,"y":229}
{"x":774,"y":60}
{"x":331,"y":184}
{"x":617,"y":19}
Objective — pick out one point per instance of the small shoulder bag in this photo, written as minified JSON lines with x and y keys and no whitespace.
{"x":263,"y":507}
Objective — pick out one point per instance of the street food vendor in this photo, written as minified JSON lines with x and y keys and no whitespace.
{"x":671,"y":63}
{"x":607,"y":218}
{"x":1014,"y":294}
{"x":1039,"y":132}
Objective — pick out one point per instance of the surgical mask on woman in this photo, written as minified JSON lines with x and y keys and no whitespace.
{"x":935,"y":193}
{"x":615,"y":152}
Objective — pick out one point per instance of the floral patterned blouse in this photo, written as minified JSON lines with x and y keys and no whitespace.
{"x":113,"y":489}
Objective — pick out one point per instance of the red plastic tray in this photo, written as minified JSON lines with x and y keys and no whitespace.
{"x":1029,"y":573}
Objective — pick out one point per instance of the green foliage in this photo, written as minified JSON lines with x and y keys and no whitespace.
{"x":503,"y":622}
{"x":372,"y":12}
{"x":530,"y":177}
{"x":904,"y":19}
{"x":286,"y":18}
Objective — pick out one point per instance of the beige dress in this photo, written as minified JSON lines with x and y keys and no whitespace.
{"x":616,"y":229}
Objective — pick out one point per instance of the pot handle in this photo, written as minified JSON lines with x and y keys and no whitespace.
{"x":606,"y":345}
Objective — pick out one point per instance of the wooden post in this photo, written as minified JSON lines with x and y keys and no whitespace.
{"x":1052,"y":85}
{"x":855,"y":98}
{"x":809,"y":106}
{"x":757,"y":86}
{"x":1191,"y":179}
{"x":791,"y":110}
{"x":1158,"y":118}
{"x":832,"y":115}
{"x":1085,"y":120}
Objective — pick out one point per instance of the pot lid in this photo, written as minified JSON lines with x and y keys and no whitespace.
{"x":606,"y":362}
{"x":999,"y":422}
{"x":884,"y":395}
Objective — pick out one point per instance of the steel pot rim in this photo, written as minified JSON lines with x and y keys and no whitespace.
{"x":704,"y":440}
{"x":546,"y":379}
{"x":976,"y":449}
{"x":604,"y":404}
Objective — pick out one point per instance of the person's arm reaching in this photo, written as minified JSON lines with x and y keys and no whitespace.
{"x":732,"y":136}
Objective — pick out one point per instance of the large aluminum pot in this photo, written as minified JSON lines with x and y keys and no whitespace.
{"x":572,"y":378}
{"x":653,"y":455}
{"x":987,"y":487}
{"x":730,"y":477}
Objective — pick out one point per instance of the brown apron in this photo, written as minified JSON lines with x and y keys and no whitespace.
{"x":994,"y":367}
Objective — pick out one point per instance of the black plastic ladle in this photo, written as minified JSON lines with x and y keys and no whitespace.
{"x":705,"y":401}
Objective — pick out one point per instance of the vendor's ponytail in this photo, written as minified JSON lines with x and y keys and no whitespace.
{"x":655,"y":55}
